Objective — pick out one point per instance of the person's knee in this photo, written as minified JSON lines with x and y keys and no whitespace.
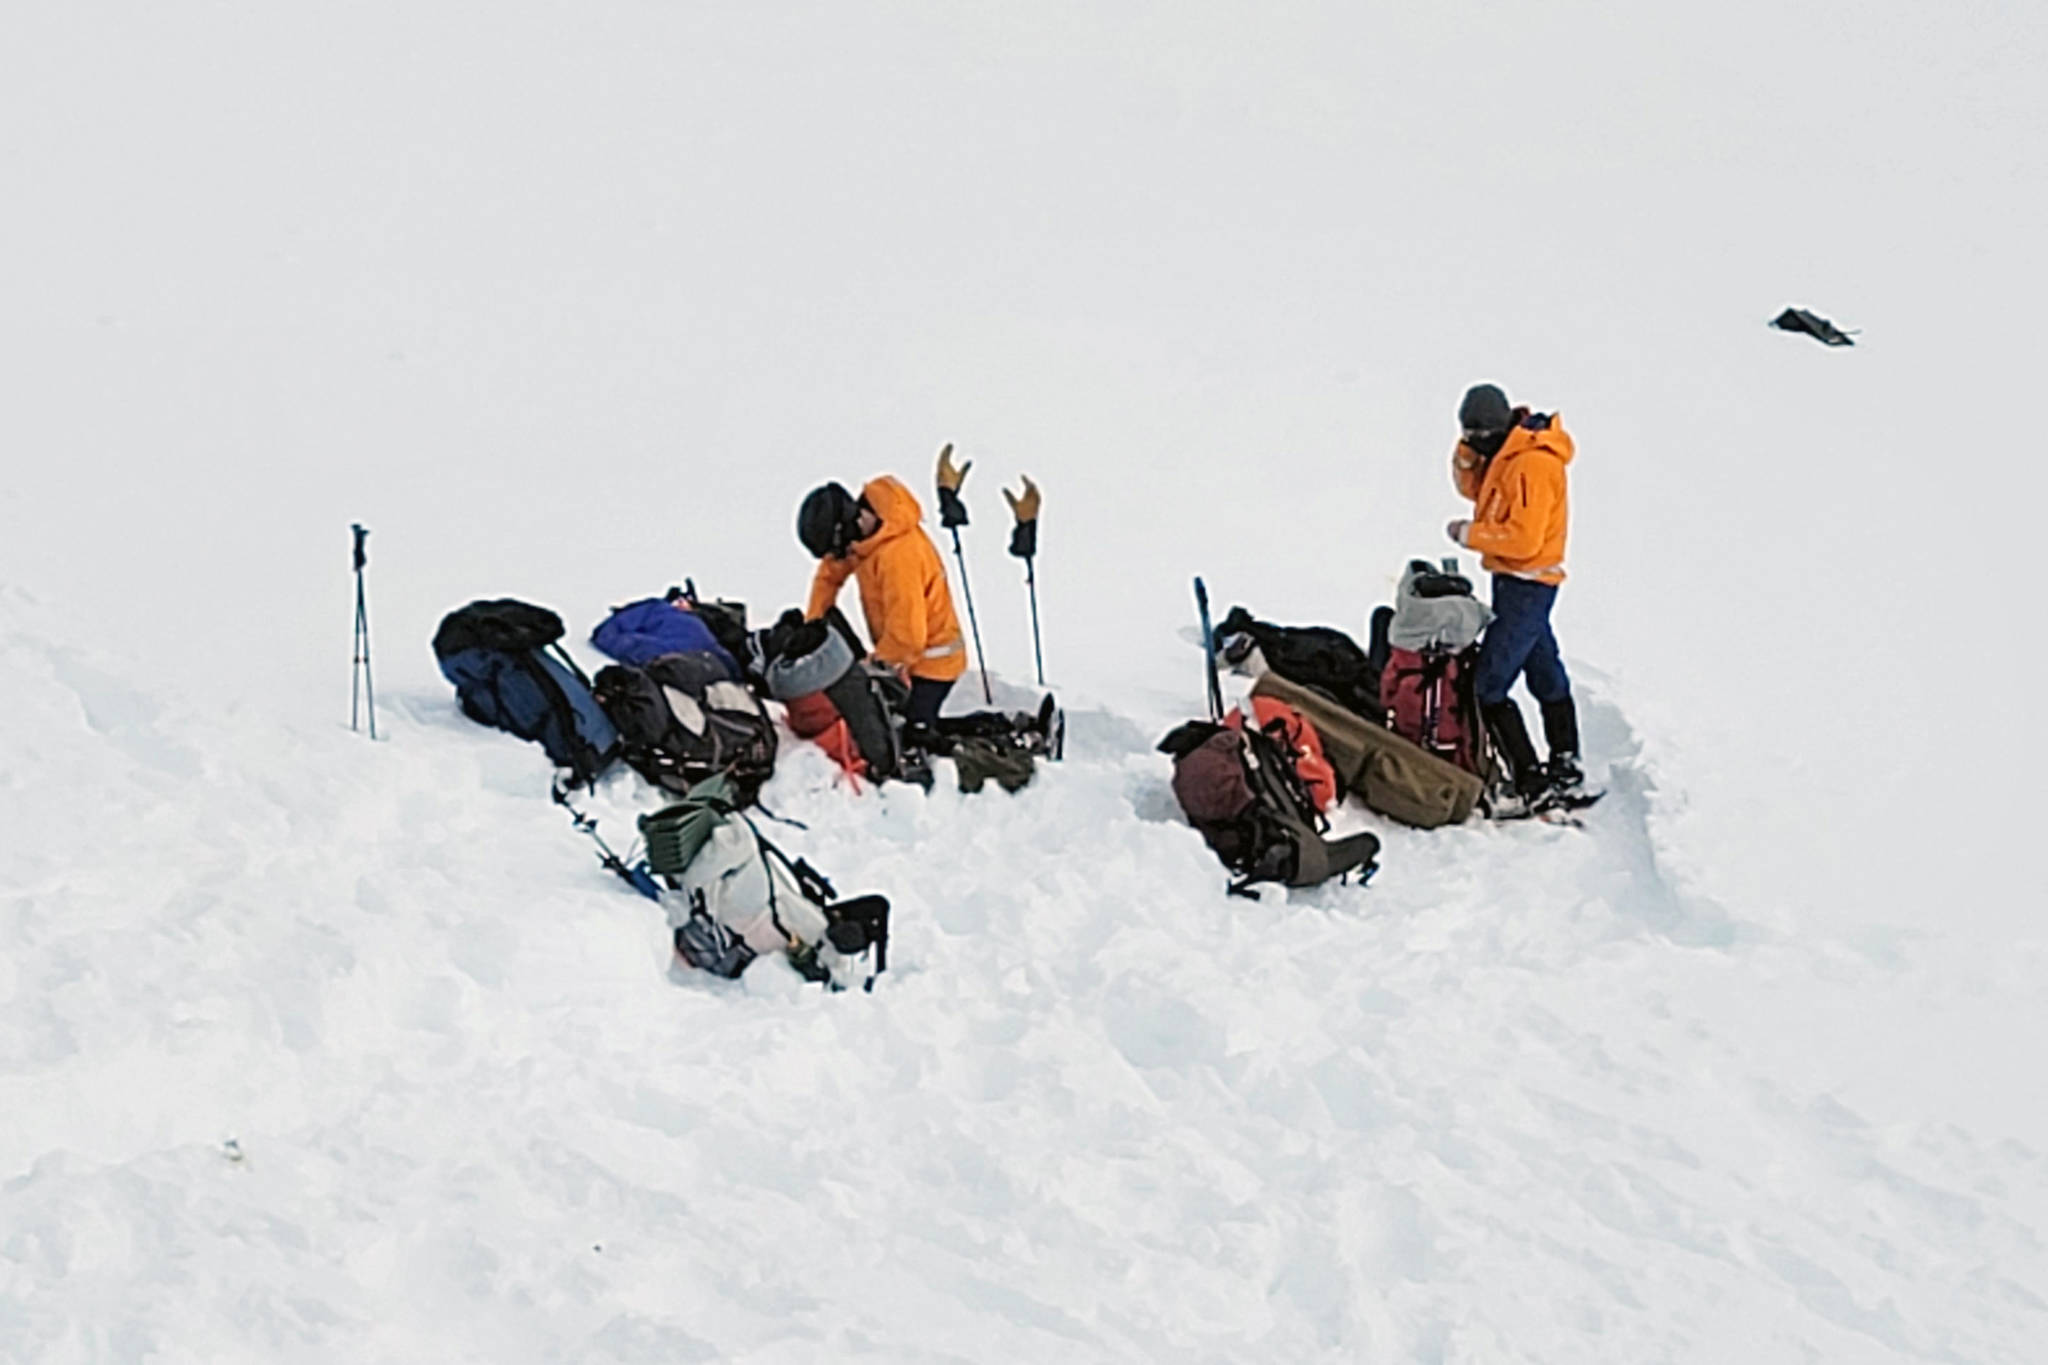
{"x":927,"y":696}
{"x":1546,"y":676}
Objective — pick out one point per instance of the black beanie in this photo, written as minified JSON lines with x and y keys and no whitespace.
{"x":1485,"y":409}
{"x":826,"y":521}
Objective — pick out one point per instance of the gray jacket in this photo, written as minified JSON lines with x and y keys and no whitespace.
{"x":1434,"y":622}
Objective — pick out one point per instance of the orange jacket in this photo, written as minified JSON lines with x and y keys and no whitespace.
{"x":1520,"y":511}
{"x":903,"y":591}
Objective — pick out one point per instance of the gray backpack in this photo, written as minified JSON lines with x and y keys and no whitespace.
{"x":734,"y":895}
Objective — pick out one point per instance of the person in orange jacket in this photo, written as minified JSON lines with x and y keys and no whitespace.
{"x":1511,"y":463}
{"x":878,"y":539}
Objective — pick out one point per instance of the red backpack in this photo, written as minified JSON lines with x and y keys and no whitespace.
{"x":1429,"y":701}
{"x":1291,"y":730}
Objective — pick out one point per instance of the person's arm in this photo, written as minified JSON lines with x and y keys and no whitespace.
{"x":1516,"y":531}
{"x":825,"y":585}
{"x":1468,"y":470}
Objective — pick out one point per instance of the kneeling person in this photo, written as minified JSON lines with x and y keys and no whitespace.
{"x":879,"y":540}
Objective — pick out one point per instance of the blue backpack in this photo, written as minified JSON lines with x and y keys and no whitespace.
{"x":641,"y":632}
{"x":510,"y":673}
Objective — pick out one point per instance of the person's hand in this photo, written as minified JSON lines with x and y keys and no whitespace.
{"x":1024,"y":506}
{"x":1456,"y":529}
{"x":952,"y":511}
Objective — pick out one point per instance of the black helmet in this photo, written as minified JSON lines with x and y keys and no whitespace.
{"x":828,"y":522}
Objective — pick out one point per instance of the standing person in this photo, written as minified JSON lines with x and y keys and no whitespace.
{"x":878,"y":538}
{"x":1511,"y":463}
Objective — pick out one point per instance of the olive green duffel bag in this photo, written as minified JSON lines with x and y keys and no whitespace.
{"x":1391,"y":775}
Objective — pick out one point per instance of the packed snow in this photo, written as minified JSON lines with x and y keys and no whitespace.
{"x":318,"y":1048}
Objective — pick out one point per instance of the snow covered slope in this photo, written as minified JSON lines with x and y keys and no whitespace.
{"x":566,"y":303}
{"x":1520,"y":1096}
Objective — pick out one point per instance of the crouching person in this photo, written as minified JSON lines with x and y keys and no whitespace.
{"x":878,"y":539}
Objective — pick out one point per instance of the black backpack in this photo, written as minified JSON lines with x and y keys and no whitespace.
{"x":510,"y":672}
{"x":823,"y":657}
{"x":728,"y":622}
{"x":1239,"y":788}
{"x":1321,"y":657}
{"x":681,"y":719}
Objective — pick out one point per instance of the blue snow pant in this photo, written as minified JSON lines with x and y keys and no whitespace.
{"x":1519,"y":643}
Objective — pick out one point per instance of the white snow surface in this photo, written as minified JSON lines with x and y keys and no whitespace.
{"x":319,"y":1049}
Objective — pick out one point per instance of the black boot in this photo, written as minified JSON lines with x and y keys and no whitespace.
{"x":1561,"y":733}
{"x":1045,"y":733}
{"x":1518,"y":753}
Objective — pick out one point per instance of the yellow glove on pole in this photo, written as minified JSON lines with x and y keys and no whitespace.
{"x":951,"y":475}
{"x":953,"y":516}
{"x":1024,"y":544}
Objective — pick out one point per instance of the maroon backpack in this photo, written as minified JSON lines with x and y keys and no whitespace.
{"x":1429,"y":702}
{"x":1240,"y":790}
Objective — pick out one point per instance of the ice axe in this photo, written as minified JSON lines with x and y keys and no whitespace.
{"x":1024,"y":545}
{"x":953,"y":516}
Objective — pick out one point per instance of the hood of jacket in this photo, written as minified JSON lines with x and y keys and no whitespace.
{"x":1538,"y":433}
{"x":896,"y":505}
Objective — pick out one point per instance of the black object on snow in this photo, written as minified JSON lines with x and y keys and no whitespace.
{"x":1814,"y":325}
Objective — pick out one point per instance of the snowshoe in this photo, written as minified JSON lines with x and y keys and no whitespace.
{"x":1565,"y":786}
{"x":1557,"y":806}
{"x":1504,"y":802}
{"x":1582,"y":799}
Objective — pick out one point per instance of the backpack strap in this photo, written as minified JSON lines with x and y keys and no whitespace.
{"x":871,"y":913}
{"x":565,"y":714}
{"x":809,"y":880}
{"x":1280,"y":760}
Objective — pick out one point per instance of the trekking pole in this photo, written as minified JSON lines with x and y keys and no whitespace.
{"x":1037,"y":650}
{"x":360,"y":687}
{"x":1024,"y":545}
{"x":953,"y":516}
{"x":635,"y":875}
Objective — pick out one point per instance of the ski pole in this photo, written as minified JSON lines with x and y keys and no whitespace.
{"x":1024,"y":545}
{"x":973,"y":626}
{"x":1037,"y":650}
{"x":953,"y":516}
{"x":361,"y":688}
